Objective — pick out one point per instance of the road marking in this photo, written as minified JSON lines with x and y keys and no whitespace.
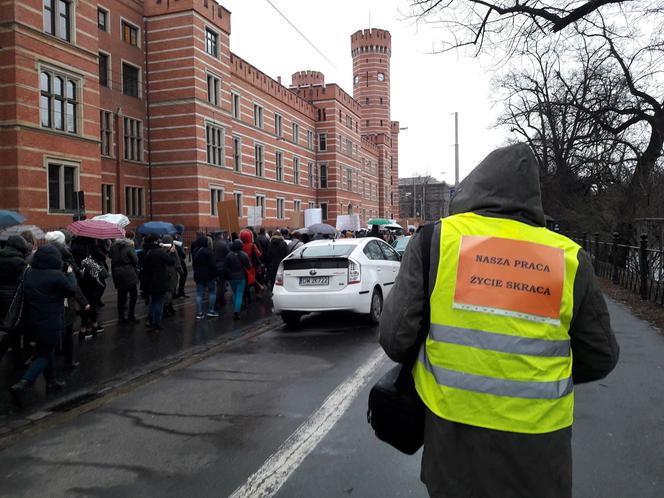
{"x":276,"y":470}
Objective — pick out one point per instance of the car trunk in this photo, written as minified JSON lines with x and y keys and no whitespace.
{"x":315,"y":274}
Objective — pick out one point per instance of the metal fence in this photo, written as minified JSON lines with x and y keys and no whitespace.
{"x":639,"y":269}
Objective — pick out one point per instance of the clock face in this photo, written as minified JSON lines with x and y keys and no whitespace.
{"x":381,"y":77}
{"x":357,"y":79}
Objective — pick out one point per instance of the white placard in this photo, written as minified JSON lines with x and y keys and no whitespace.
{"x":313,"y":216}
{"x":348,"y":222}
{"x":254,"y":218}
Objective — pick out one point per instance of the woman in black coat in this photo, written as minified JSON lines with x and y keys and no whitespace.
{"x":155,"y":279}
{"x":12,"y":264}
{"x":45,"y":289}
{"x":205,"y":275}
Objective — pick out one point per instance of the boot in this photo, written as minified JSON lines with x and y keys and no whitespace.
{"x":55,"y":386}
{"x":16,"y":392}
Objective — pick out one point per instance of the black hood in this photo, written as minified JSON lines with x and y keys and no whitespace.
{"x":47,"y":258}
{"x":19,"y":243}
{"x":504,"y":185}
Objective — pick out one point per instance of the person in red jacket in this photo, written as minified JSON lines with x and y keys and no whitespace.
{"x":254,"y":253}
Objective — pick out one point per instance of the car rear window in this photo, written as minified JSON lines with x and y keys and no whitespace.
{"x":327,"y":251}
{"x":401,"y":244}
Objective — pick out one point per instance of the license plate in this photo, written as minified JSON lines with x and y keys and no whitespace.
{"x":313,"y":281}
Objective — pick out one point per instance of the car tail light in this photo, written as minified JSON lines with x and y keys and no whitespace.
{"x":279,"y":279}
{"x":354,"y":272}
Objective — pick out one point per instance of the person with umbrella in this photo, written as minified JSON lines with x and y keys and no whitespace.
{"x":155,"y":279}
{"x":124,"y":269}
{"x":93,"y":283}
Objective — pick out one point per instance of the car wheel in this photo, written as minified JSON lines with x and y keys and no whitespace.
{"x":376,"y":308}
{"x":291,"y":318}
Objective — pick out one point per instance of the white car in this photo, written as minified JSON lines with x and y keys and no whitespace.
{"x":345,"y":274}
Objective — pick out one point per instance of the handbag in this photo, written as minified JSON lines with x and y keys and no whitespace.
{"x":396,"y":412}
{"x":14,"y":314}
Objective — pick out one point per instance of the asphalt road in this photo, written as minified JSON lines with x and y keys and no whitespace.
{"x":284,"y":414}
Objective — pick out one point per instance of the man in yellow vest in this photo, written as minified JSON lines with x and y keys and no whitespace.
{"x":516,"y":319}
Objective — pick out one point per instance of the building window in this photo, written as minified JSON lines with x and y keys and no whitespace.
{"x":213,"y":86}
{"x":211,"y":42}
{"x":57,"y":18}
{"x":260,"y":202}
{"x":237,"y":153}
{"x":258,"y":115}
{"x":350,"y":180}
{"x":280,"y":209}
{"x":348,"y":150}
{"x":278,"y":125}
{"x":215,"y":144}
{"x":106,"y":198}
{"x":310,"y":174}
{"x":130,"y":76}
{"x":106,"y":132}
{"x":102,"y":19}
{"x":62,"y":187}
{"x":103,"y":69}
{"x":312,"y":204}
{"x":297,"y":206}
{"x":133,"y":201}
{"x":323,"y":210}
{"x":58,"y":104}
{"x":133,"y":140}
{"x":235,"y":104}
{"x":129,"y":33}
{"x":279,"y":165}
{"x":296,"y":170}
{"x":323,"y":175}
{"x":349,"y":121}
{"x":296,"y":132}
{"x":258,"y":159}
{"x":238,"y":203}
{"x":216,"y":196}
{"x":310,"y":139}
{"x":322,"y":142}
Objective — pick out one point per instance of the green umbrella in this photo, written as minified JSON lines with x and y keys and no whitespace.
{"x":379,"y":221}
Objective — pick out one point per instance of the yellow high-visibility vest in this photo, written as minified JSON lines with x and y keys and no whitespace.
{"x":498,"y":350}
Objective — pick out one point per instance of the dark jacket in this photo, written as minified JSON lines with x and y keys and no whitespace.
{"x":124,"y":262}
{"x":12,"y":264}
{"x":79,"y":301}
{"x":462,"y":460}
{"x":204,"y":264}
{"x":276,"y":252}
{"x":237,"y":263}
{"x":45,"y":290}
{"x":155,"y":278}
{"x":221,"y":250}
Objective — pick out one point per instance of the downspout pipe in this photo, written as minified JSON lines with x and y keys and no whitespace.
{"x":147,"y":110}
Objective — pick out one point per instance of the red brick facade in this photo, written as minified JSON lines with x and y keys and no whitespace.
{"x":177,"y":121}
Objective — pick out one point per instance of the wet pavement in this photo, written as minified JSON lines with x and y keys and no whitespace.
{"x":206,"y":429}
{"x":125,"y":350}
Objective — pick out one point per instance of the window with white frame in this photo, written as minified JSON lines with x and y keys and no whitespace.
{"x":258,"y":115}
{"x":310,"y":139}
{"x":216,"y":196}
{"x":260,"y":202}
{"x":323,"y":210}
{"x":348,"y":149}
{"x":133,"y":140}
{"x":130,"y":80}
{"x":280,"y":209}
{"x":102,"y":19}
{"x":258,"y":160}
{"x":62,"y":187}
{"x":235,"y":105}
{"x":106,"y":198}
{"x":129,"y":33}
{"x":106,"y":132}
{"x":278,"y":125}
{"x":297,"y":205}
{"x":104,"y":66}
{"x":58,"y":16}
{"x":296,"y":132}
{"x":238,"y":203}
{"x":296,"y":170}
{"x":279,"y":165}
{"x":350,"y":179}
{"x":211,"y":42}
{"x":237,"y":153}
{"x":59,"y":101}
{"x":310,"y":174}
{"x":134,"y":201}
{"x":312,"y":204}
{"x":323,"y":175}
{"x":215,"y":144}
{"x":213,"y":89}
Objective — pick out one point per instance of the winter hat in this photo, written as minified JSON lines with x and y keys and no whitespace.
{"x":237,"y":245}
{"x":18,"y":243}
{"x":55,"y":237}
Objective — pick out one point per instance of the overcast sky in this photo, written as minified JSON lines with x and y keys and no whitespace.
{"x":426,"y":89}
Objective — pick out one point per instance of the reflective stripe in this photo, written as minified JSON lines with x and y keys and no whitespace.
{"x":499,"y":387}
{"x":499,"y":342}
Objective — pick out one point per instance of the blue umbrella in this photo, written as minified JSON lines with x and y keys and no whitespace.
{"x":10,"y":218}
{"x":159,"y":228}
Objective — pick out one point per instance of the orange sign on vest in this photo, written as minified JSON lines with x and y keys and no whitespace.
{"x":510,"y":277}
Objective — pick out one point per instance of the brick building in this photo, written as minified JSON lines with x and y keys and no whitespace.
{"x":141,"y":105}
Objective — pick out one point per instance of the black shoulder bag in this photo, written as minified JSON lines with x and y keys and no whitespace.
{"x":12,"y":318}
{"x":396,"y":412}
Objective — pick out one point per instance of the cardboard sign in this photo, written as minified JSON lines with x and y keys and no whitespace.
{"x":348,"y":222}
{"x":510,"y":277}
{"x":296,"y":220}
{"x":228,"y":218}
{"x":254,"y":218}
{"x":312,"y":216}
